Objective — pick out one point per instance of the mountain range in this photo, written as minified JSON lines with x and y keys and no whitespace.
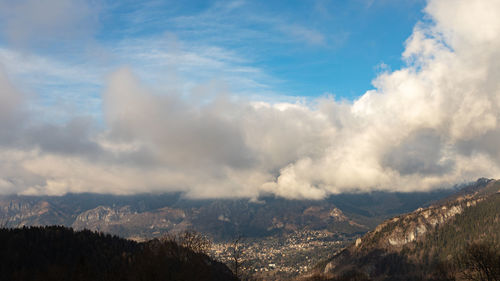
{"x":152,"y":215}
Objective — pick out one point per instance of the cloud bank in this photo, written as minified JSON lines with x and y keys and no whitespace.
{"x":430,"y":124}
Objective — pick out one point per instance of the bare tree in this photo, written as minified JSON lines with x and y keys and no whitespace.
{"x":236,"y":256}
{"x":190,"y":239}
{"x":4,"y":222}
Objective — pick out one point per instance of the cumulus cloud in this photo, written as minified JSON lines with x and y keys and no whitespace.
{"x":432,"y":123}
{"x":175,"y":132}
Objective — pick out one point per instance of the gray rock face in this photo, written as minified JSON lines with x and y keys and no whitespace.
{"x":132,"y":223}
{"x":404,"y":229}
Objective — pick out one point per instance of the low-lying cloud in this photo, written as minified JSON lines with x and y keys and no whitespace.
{"x":430,"y":124}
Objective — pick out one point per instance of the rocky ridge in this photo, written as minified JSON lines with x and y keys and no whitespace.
{"x":419,"y":239}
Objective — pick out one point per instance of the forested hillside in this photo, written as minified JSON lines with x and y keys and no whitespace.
{"x":455,"y":239}
{"x":59,"y":253}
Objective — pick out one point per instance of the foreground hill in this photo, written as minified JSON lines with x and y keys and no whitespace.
{"x":59,"y":253}
{"x":454,"y":239}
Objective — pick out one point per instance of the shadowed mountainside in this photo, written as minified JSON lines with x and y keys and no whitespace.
{"x":58,"y":253}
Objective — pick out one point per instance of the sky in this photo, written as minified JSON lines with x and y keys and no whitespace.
{"x":247,"y":98}
{"x":263,"y":49}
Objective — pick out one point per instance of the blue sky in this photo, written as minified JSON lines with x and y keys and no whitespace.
{"x":244,"y":98}
{"x":259,"y":49}
{"x":306,"y":48}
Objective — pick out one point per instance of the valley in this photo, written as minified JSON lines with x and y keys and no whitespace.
{"x":377,"y":235}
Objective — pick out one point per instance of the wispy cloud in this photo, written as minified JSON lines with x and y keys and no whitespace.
{"x":302,"y":33}
{"x":37,"y":69}
{"x":159,"y":59}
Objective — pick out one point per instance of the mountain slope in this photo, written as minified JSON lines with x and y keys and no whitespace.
{"x":417,"y":245}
